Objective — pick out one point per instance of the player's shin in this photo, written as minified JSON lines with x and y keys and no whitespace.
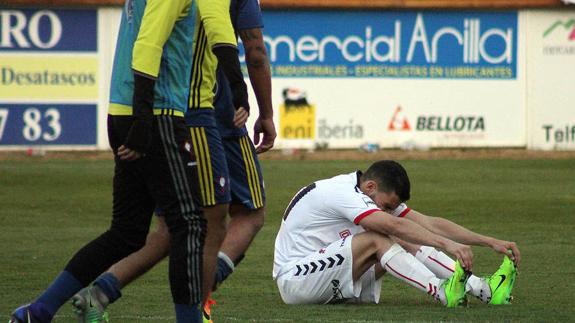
{"x":405,"y":267}
{"x":443,"y":266}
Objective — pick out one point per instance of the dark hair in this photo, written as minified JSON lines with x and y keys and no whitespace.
{"x":390,"y":176}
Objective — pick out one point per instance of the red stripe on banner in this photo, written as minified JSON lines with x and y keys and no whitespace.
{"x":442,"y":265}
{"x":434,"y":291}
{"x":429,"y":289}
{"x":404,"y":213}
{"x":363,"y":215}
{"x":395,"y":271}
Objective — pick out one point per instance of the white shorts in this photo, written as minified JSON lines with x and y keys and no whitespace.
{"x":326,"y":276}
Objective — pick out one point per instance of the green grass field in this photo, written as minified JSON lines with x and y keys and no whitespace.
{"x":50,"y":208}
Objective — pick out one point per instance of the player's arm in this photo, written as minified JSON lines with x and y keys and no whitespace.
{"x":157,"y":24}
{"x":215,"y":15}
{"x":411,"y":231}
{"x":460,"y":234}
{"x":260,"y":77}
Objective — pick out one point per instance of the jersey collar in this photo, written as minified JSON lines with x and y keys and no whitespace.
{"x":358,"y":175}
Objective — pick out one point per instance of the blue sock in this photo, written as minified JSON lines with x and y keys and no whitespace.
{"x":224,"y":268}
{"x":37,"y":310}
{"x":110,"y":285}
{"x":57,"y":294}
{"x":188,"y":313}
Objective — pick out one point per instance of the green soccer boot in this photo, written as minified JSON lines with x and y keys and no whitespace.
{"x":501,"y":283}
{"x":90,"y":305}
{"x":454,"y":287}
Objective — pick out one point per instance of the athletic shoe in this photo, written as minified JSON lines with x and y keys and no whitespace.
{"x":207,"y":313}
{"x":501,"y":283}
{"x":22,"y":315}
{"x":454,"y":287}
{"x":90,"y":305}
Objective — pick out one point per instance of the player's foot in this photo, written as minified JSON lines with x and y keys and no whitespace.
{"x":501,"y":283}
{"x":90,"y":305}
{"x":207,"y":312}
{"x":454,"y":287}
{"x":23,"y":315}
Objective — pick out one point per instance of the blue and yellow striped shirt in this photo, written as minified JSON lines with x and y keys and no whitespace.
{"x":156,"y":39}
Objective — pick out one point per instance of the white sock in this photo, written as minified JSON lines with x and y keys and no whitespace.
{"x":227,"y":259}
{"x":478,"y":287}
{"x":443,"y":266}
{"x":405,"y":267}
{"x":439,"y":263}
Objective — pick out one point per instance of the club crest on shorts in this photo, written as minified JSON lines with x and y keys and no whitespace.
{"x":188,"y":147}
{"x":345,"y":233}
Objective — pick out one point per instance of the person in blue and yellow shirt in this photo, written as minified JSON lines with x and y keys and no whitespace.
{"x":154,"y":160}
{"x":228,"y":166}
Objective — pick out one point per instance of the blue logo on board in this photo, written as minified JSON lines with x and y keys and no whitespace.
{"x":48,"y":30}
{"x":392,"y":44}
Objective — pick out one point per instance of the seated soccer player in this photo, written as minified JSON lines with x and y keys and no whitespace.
{"x":340,"y":235}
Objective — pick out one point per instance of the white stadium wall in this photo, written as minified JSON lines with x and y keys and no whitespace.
{"x":551,"y":80}
{"x":392,"y":78}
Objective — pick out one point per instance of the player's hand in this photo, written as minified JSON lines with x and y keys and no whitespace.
{"x":507,"y":248}
{"x":240,"y":117}
{"x":267,"y":128}
{"x":128,"y":154}
{"x":463,"y":253}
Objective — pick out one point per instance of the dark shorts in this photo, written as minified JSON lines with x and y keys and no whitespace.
{"x":212,"y":165}
{"x":247,"y":183}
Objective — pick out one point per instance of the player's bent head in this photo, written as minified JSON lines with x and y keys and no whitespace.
{"x":390,"y":177}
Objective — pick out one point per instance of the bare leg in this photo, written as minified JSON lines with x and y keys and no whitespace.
{"x":367,"y":248}
{"x":443,"y":266}
{"x":216,"y":217}
{"x":371,"y":248}
{"x":157,"y":247}
{"x":242,"y":228}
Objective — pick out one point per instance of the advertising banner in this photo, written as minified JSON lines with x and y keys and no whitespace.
{"x":397,"y":113}
{"x":397,"y":79}
{"x":48,"y":77}
{"x":393,"y":44}
{"x":551,"y":79}
{"x":47,"y":124}
{"x":49,"y":70}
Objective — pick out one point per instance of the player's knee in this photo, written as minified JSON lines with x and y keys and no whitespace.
{"x":133,"y":238}
{"x":378,"y":241}
{"x":257,"y":220}
{"x":216,"y":217}
{"x":162,"y":228}
{"x":159,"y":240}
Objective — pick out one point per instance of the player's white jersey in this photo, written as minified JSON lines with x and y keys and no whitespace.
{"x":320,"y":214}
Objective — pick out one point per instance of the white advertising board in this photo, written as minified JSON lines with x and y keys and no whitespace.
{"x":551,"y":79}
{"x":346,"y":113}
{"x":428,"y":79}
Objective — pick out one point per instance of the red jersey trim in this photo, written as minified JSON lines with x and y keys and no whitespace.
{"x":404,"y":213}
{"x":363,"y":215}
